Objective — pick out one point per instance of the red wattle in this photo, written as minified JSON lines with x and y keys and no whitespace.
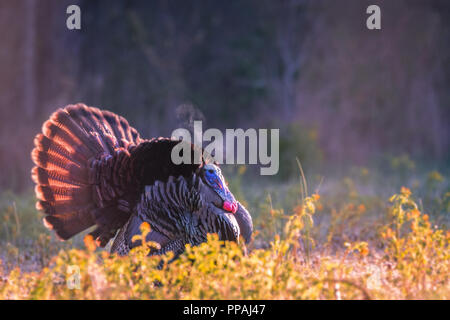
{"x":230,"y":207}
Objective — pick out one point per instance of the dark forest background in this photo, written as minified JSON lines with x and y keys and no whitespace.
{"x":341,"y":94}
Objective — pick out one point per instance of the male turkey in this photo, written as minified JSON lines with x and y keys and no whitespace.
{"x":93,"y":168}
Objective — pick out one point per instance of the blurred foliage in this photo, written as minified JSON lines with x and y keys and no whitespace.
{"x":340,"y":95}
{"x":296,"y":141}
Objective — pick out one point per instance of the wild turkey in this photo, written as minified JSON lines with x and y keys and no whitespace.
{"x":93,"y":168}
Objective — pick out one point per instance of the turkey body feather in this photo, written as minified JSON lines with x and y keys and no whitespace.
{"x":94,"y":169}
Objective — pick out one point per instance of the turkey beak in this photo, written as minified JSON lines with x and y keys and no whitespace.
{"x":245,"y":223}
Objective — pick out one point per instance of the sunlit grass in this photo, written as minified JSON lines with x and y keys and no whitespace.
{"x":341,"y":244}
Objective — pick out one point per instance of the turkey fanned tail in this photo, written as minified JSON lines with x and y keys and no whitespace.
{"x":82,"y":179}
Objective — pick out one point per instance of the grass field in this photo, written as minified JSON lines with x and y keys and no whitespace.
{"x":365,"y":235}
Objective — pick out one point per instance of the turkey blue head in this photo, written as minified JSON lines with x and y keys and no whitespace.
{"x":213,"y":177}
{"x":234,"y":212}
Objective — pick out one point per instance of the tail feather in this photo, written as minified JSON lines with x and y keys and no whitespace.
{"x":93,"y":121}
{"x":114,"y":123}
{"x":58,"y":178}
{"x":61,"y":207}
{"x":79,"y":156}
{"x":65,"y":122}
{"x":67,"y":139}
{"x":74,"y":157}
{"x":55,"y":193}
{"x":69,"y":224}
{"x":55,"y":165}
{"x":49,"y":159}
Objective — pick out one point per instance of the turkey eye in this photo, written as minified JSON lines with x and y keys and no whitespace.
{"x":210,"y":171}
